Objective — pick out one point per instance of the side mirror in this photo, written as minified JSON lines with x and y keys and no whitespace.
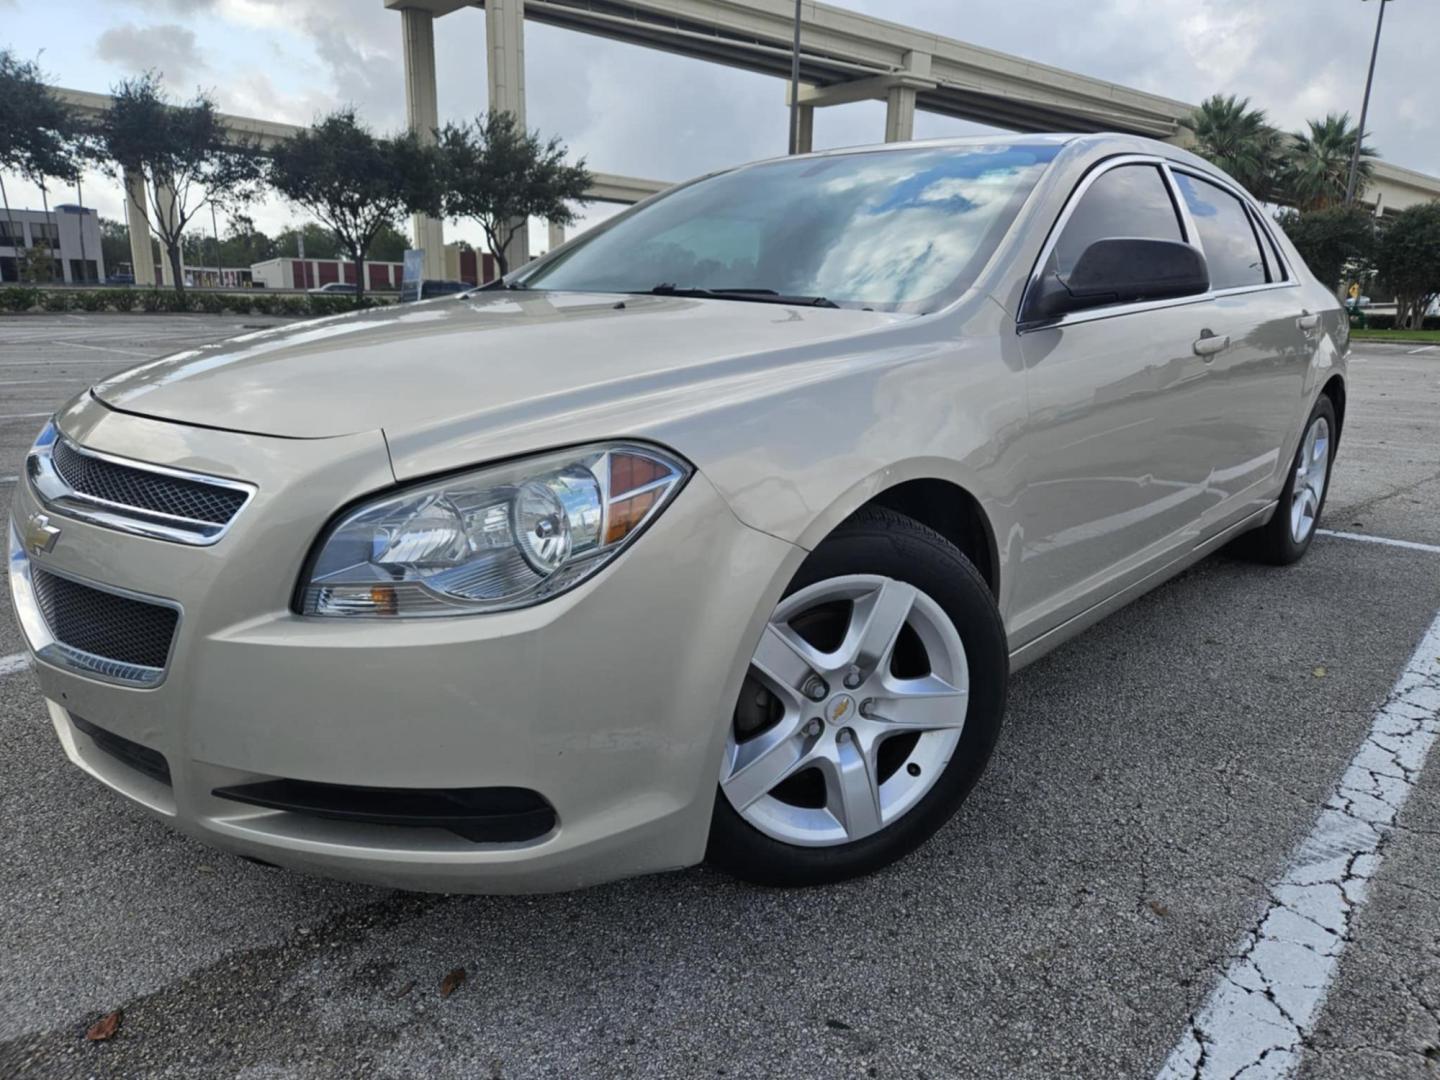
{"x":1120,"y":270}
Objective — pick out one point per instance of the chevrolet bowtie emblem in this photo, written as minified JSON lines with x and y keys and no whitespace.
{"x":40,"y":535}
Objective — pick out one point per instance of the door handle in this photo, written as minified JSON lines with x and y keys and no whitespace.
{"x":1208,"y":344}
{"x":1308,"y":321}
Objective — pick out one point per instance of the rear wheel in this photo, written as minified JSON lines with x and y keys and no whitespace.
{"x":871,"y":706}
{"x":1287,"y":536}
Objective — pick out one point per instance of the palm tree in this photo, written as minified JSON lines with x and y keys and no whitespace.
{"x":1230,"y":134}
{"x":1317,"y":165}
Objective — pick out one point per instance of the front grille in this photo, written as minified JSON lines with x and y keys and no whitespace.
{"x":142,"y":759}
{"x":159,"y":493}
{"x":103,"y":624}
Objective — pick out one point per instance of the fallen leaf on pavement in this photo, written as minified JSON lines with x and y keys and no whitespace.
{"x":1157,"y":907}
{"x":451,"y":982}
{"x":1320,"y":673}
{"x":105,"y":1027}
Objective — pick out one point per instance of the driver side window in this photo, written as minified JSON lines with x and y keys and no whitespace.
{"x":1126,"y":201}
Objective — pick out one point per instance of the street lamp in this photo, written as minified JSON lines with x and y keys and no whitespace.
{"x":1364,"y":109}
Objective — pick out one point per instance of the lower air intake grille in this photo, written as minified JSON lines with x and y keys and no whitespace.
{"x":104,"y":624}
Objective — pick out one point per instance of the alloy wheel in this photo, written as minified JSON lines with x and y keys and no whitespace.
{"x":1311,"y":473}
{"x":854,"y":703}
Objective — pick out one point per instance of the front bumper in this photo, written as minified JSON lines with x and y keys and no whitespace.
{"x":610,"y":701}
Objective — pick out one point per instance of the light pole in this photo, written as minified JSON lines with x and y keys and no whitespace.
{"x":795,"y":86}
{"x":1364,"y":109}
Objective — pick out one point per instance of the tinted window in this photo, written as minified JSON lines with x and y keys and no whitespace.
{"x":1226,"y":234}
{"x":1129,"y":201}
{"x":890,"y":229}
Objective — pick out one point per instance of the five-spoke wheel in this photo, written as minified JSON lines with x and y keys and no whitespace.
{"x":872,"y":701}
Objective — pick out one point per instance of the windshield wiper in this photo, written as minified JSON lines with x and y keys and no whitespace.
{"x":757,"y":296}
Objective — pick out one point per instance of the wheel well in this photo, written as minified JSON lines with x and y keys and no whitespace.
{"x":952,"y":512}
{"x":1335,"y":391}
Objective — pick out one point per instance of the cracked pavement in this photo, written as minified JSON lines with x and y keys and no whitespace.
{"x":1141,"y":831}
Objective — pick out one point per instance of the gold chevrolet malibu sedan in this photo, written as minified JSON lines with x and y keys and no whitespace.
{"x":714,"y":534}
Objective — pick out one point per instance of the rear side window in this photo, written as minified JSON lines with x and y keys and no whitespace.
{"x":1126,"y":201}
{"x":1226,"y":233}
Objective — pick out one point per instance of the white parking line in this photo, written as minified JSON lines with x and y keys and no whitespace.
{"x":24,"y":415}
{"x":16,"y":662}
{"x":1422,"y":349}
{"x":8,"y":479}
{"x":1255,"y":1021}
{"x":1364,"y":538}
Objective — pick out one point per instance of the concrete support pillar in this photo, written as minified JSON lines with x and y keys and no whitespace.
{"x":805,"y":130}
{"x":137,"y":219}
{"x":900,"y":101}
{"x":900,"y":114}
{"x":422,"y":114}
{"x":505,"y":78}
{"x":557,"y":235}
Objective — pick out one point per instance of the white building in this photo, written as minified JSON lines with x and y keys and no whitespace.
{"x":72,"y":233}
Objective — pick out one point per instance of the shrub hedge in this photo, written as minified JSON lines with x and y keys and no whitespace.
{"x":1387,"y":322}
{"x":256,"y":302}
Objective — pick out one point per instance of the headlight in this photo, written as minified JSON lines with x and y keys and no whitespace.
{"x":501,"y":537}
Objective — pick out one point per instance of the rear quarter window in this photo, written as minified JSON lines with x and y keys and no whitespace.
{"x":1226,"y":234}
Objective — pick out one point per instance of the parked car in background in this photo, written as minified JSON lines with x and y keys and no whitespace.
{"x":343,"y":287}
{"x":120,"y":279}
{"x":714,"y":534}
{"x":429,"y":289}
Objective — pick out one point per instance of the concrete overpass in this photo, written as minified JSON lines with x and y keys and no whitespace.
{"x":845,"y":56}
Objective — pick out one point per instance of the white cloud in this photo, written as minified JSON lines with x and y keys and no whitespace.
{"x":167,"y":48}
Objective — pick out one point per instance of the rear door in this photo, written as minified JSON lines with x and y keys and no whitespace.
{"x":1117,"y":448}
{"x":1263,"y":347}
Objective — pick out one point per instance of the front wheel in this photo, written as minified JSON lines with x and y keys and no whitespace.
{"x":872,"y":704}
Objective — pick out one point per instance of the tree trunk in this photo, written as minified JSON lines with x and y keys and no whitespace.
{"x":177,"y":266}
{"x":359,"y":257}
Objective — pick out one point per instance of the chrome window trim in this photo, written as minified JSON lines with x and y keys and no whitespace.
{"x":1190,"y":236}
{"x":42,"y":641}
{"x":57,"y":495}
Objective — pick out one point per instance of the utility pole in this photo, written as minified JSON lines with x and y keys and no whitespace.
{"x":795,"y":86}
{"x":1364,"y":109}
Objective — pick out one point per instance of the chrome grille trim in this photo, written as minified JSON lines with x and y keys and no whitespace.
{"x":136,"y":497}
{"x":30,"y":610}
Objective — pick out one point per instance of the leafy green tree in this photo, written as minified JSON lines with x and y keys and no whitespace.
{"x":1317,"y":164}
{"x":499,"y":175}
{"x":320,"y":242}
{"x":114,"y":242}
{"x":244,"y":244}
{"x":354,"y":182}
{"x":39,"y":136}
{"x":1332,"y":240}
{"x":183,"y":155}
{"x":1236,"y":138}
{"x":389,"y":245}
{"x":1408,"y":261}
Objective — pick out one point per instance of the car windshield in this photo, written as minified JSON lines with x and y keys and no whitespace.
{"x":896,"y":230}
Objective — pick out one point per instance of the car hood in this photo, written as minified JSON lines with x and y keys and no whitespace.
{"x":410,"y":367}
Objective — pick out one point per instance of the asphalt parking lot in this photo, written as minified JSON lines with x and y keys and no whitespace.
{"x":1090,"y":913}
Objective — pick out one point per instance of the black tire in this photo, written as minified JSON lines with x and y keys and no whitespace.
{"x":879,"y":541}
{"x":1273,"y":543}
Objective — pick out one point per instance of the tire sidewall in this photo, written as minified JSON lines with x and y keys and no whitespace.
{"x":925,"y":560}
{"x":1293,"y":549}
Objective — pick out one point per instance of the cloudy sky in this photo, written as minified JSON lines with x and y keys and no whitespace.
{"x":643,"y":113}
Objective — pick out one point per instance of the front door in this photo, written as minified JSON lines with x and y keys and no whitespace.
{"x":1117,"y":445}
